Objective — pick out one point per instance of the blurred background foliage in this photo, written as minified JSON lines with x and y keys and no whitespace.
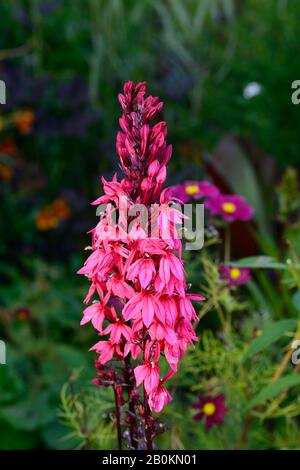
{"x":224,"y":69}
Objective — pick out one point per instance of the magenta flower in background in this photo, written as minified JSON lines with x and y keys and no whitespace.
{"x":234,"y":276}
{"x":194,"y":190}
{"x":230,"y":206}
{"x":211,"y":409}
{"x":178,"y":192}
{"x":200,"y":189}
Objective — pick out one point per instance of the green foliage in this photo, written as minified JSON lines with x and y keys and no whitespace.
{"x":271,"y":333}
{"x":39,"y":355}
{"x":274,"y":389}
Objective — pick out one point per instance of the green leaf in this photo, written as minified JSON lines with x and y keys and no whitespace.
{"x":30,"y":414}
{"x":12,"y":439}
{"x":296,"y":300}
{"x":274,"y":389}
{"x":236,"y":168}
{"x":61,"y":362}
{"x":271,"y":333}
{"x":258,"y":262}
{"x":11,"y":385}
{"x":56,"y":436}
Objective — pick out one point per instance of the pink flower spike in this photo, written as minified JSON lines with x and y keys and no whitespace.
{"x":143,"y":311}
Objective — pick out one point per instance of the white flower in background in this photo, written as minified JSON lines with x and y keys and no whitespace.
{"x":252,"y":89}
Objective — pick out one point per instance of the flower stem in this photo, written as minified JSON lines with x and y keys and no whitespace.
{"x":148,"y":426}
{"x":227,"y":244}
{"x":118,"y":419}
{"x":132,"y":420}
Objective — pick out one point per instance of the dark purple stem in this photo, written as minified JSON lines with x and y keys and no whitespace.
{"x":118,"y":419}
{"x":131,"y":406}
{"x":148,"y":423}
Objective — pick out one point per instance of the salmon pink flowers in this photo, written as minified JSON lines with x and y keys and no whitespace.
{"x":142,"y":310}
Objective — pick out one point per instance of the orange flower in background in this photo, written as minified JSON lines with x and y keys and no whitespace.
{"x":23,"y":313}
{"x":46,"y":221}
{"x":61,"y":208}
{"x":50,"y":217}
{"x":8,"y":146}
{"x":24,"y":121}
{"x":6,"y":172}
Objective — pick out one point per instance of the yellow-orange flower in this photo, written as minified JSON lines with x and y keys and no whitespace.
{"x":51,"y":216}
{"x":24,"y":121}
{"x":8,"y":147}
{"x":6,"y":172}
{"x":61,"y":208}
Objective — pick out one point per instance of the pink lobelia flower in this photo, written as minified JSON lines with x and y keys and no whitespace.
{"x":211,"y":409}
{"x":144,"y":268}
{"x":230,"y":207}
{"x":234,"y":276}
{"x":143,"y":310}
{"x":95,"y":314}
{"x":106,"y":350}
{"x":159,"y":398}
{"x":149,"y":374}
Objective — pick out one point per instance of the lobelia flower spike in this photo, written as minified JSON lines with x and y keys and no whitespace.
{"x":143,"y":310}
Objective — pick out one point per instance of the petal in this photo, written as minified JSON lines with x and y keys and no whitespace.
{"x":148,"y":310}
{"x":140,"y":373}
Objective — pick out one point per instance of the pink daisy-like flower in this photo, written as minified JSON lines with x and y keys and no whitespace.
{"x":199,"y":189}
{"x":194,"y":190}
{"x":178,"y":192}
{"x":234,"y":276}
{"x":211,"y":409}
{"x":230,"y":206}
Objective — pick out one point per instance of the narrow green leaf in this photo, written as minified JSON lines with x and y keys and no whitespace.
{"x":258,"y":262}
{"x":296,"y":300}
{"x":271,"y":333}
{"x":274,"y":389}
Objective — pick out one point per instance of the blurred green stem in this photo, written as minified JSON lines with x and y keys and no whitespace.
{"x":227,"y":244}
{"x":37,"y":34}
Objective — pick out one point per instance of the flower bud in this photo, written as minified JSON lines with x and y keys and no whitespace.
{"x":153,"y":169}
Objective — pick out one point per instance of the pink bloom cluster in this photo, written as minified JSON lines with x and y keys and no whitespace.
{"x":143,"y":311}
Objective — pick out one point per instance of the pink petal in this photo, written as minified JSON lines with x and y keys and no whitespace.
{"x":140,"y":373}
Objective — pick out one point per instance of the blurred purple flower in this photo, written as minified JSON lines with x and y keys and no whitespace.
{"x":178,"y":192}
{"x":194,"y":190}
{"x":211,"y":409}
{"x":200,"y":189}
{"x":234,"y":276}
{"x":230,"y":207}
